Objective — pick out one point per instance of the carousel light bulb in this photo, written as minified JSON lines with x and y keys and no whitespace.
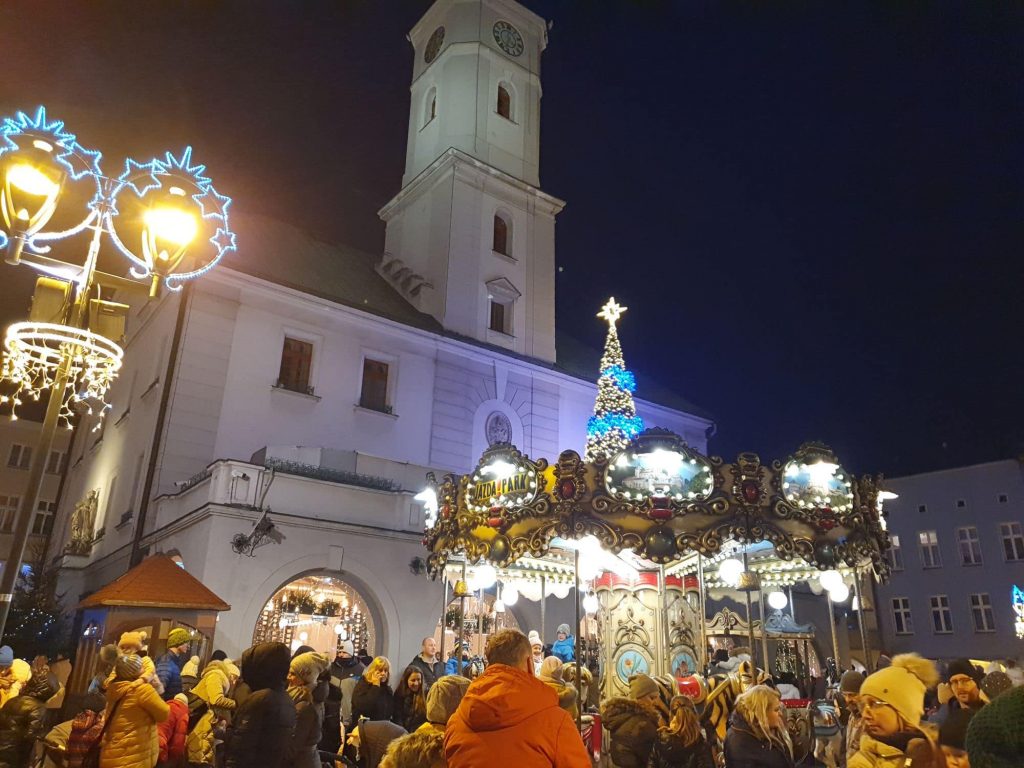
{"x":591,"y":603}
{"x":485,"y":576}
{"x":282,"y":623}
{"x":729,"y":571}
{"x":821,"y":474}
{"x":510,"y":595}
{"x":830,"y":580}
{"x":778,"y":600}
{"x":338,"y":629}
{"x":499,"y":606}
{"x":840,"y":593}
{"x":303,"y":636}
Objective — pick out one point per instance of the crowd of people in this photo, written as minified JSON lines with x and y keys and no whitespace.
{"x":284,"y":708}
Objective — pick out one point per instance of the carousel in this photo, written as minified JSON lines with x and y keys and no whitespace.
{"x":644,"y":531}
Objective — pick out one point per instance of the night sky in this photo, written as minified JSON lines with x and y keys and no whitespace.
{"x":813,"y":210}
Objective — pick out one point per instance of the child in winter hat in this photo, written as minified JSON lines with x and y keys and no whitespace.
{"x":952,"y":734}
{"x":995,"y":738}
{"x":127,"y":667}
{"x":6,"y":656}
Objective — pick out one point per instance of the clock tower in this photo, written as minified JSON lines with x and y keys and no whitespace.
{"x":470,"y":238}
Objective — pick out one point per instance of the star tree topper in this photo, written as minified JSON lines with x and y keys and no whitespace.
{"x":612,"y":311}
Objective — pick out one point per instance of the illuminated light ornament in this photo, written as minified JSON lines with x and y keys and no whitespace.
{"x":499,"y":606}
{"x":560,"y":589}
{"x":729,"y":571}
{"x":510,"y":595}
{"x":840,"y":593}
{"x":778,"y":600}
{"x":591,"y":604}
{"x":338,"y":629}
{"x":830,"y":580}
{"x":33,"y":353}
{"x":428,"y":497}
{"x":614,"y":423}
{"x":188,"y":208}
{"x":1018,"y":611}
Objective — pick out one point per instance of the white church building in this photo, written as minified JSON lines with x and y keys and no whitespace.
{"x":319,"y":384}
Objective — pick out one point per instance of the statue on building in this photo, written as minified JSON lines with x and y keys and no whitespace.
{"x":83,"y":523}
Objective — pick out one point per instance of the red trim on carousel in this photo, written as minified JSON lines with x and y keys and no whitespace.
{"x":611,"y":580}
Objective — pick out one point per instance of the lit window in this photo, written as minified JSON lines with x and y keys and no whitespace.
{"x":20,"y":456}
{"x":42,"y":521}
{"x":374,"y":394}
{"x":929,"y":542}
{"x":504,"y":102}
{"x":969,"y":545}
{"x":501,"y":242}
{"x":56,"y":463}
{"x":8,"y":512}
{"x":902,"y":621}
{"x":981,"y":611}
{"x":1013,"y":541}
{"x":942,"y":617}
{"x":895,"y":554}
{"x":296,"y":361}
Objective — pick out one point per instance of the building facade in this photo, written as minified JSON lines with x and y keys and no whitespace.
{"x":19,"y":441}
{"x":957,"y":553}
{"x":311,"y":386}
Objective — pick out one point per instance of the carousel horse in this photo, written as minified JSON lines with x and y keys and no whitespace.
{"x":828,"y":733}
{"x":722,"y":693}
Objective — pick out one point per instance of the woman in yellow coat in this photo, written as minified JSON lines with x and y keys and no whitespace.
{"x":212,"y":688}
{"x":131,"y":738}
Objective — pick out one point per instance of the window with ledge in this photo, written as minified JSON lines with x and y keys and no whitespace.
{"x":501,"y":299}
{"x":20,"y":456}
{"x":296,"y":363}
{"x":430,"y":106}
{"x":969,"y":545}
{"x":895,"y":553}
{"x":1013,"y":541}
{"x":42,"y":521}
{"x":902,"y":621}
{"x":981,"y":611}
{"x":930,"y":556}
{"x":56,"y":463}
{"x":504,"y":106}
{"x":8,"y":512}
{"x":942,"y":617}
{"x":374,"y":393}
{"x":501,"y":242}
{"x":500,"y":316}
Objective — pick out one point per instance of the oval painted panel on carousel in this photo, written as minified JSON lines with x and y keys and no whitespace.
{"x":821,"y":484}
{"x":631,"y":662}
{"x":677,"y":474}
{"x":503,"y":478}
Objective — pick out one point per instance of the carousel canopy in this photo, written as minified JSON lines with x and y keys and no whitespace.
{"x":661,"y":501}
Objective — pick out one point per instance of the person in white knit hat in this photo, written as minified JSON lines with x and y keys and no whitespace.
{"x":538,"y":650}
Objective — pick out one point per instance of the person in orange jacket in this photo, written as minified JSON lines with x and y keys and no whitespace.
{"x":507,"y":712}
{"x":173,"y":731}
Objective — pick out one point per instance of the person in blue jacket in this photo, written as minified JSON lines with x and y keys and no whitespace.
{"x":565,"y":644}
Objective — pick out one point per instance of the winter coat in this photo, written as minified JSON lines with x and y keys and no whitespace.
{"x":431,"y":670}
{"x":743,"y":749}
{"x":214,"y":685}
{"x":130,"y":740}
{"x":374,"y":738}
{"x":168,"y":670}
{"x":567,"y":696}
{"x":854,"y":732}
{"x":564,"y":649}
{"x":263,"y":725}
{"x":406,"y":713}
{"x":171,"y":732}
{"x":374,"y":702}
{"x":12,"y":679}
{"x":874,"y":753}
{"x":302,"y":747}
{"x":148,"y":674}
{"x":22,"y":721}
{"x":632,"y":727}
{"x":211,"y":688}
{"x":670,"y":752}
{"x":508,"y":717}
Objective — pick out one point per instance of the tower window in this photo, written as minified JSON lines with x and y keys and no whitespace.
{"x":504,"y":102}
{"x":499,"y":312}
{"x":374,"y":394}
{"x":296,"y":361}
{"x":502,"y":240}
{"x":501,"y":299}
{"x":430,"y":106}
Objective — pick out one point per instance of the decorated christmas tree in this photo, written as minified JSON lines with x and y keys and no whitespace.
{"x":614,"y":422}
{"x":36,"y":624}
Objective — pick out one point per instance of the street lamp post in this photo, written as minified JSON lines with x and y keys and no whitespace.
{"x":69,"y":349}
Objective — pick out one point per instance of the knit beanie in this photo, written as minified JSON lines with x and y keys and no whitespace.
{"x":641,"y":685}
{"x":851,"y":681}
{"x":6,"y":656}
{"x":234,"y":671}
{"x":953,"y":730}
{"x":995,"y":683}
{"x":348,"y":647}
{"x":182,"y":698}
{"x":127,"y":667}
{"x":444,"y":698}
{"x":963,"y":667}
{"x":551,"y":669}
{"x":218,"y":655}
{"x":563,"y":628}
{"x":902,"y":685}
{"x":534,"y":638}
{"x":191,"y":668}
{"x":178,"y":636}
{"x":995,"y":738}
{"x":308,"y":666}
{"x":132,"y":640}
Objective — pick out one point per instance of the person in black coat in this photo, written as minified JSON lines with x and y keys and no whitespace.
{"x":373,"y":698}
{"x":426,"y":662}
{"x":757,"y":735}
{"x":23,"y":721}
{"x":263,"y":724}
{"x":410,"y":700}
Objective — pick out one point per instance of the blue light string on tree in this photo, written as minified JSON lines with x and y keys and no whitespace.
{"x":630,"y":426}
{"x":622,"y":377}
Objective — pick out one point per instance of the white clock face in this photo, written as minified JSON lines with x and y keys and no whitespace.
{"x":508,"y":38}
{"x":434,"y":45}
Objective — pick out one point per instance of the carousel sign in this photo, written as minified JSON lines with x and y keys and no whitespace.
{"x":503,"y":478}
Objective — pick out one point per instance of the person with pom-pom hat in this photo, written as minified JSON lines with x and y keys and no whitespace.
{"x":892,"y":705}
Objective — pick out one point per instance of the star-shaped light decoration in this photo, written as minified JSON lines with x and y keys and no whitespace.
{"x":612,"y":311}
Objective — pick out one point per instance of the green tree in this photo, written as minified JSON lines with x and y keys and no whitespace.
{"x":37,"y":624}
{"x":614,"y":422}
